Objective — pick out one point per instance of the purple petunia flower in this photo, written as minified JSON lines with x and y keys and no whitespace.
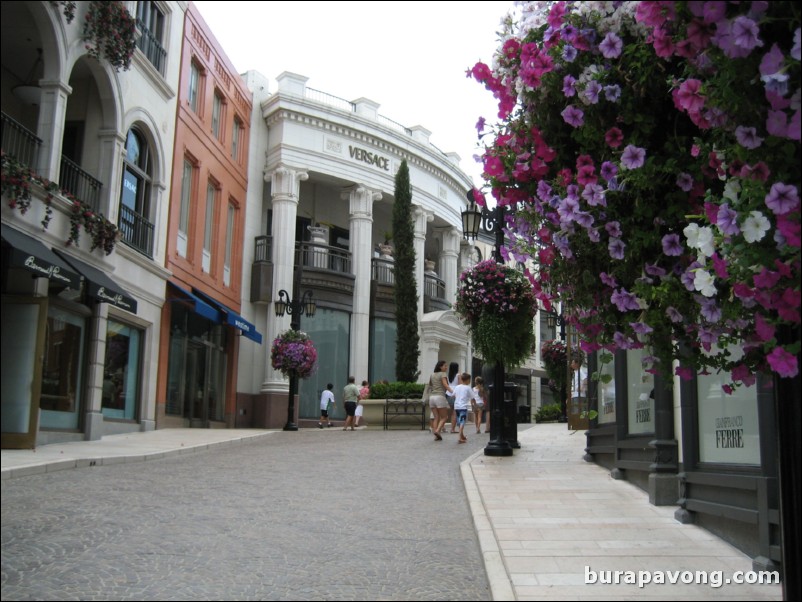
{"x":710,"y":310}
{"x":569,"y":53}
{"x":573,"y":116}
{"x":782,"y":198}
{"x":795,"y":51}
{"x":674,"y":315}
{"x":584,"y":219}
{"x":613,"y":229}
{"x":568,"y":86}
{"x":611,"y":46}
{"x":608,"y":280}
{"x":727,"y":221}
{"x":608,"y":170}
{"x":744,"y":32}
{"x":633,"y":157}
{"x":612,"y":92}
{"x":624,"y":300}
{"x":747,"y":137}
{"x":685,"y":182}
{"x":641,"y":327}
{"x":592,"y":92}
{"x":594,"y":195}
{"x":672,"y":245}
{"x":616,"y":248}
{"x":654,"y":270}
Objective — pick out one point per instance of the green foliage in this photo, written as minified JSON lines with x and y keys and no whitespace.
{"x":406,"y":289}
{"x":396,"y":390}
{"x":548,"y":412}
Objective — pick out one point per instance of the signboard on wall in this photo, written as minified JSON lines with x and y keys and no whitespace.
{"x":640,"y":390}
{"x":728,"y":424}
{"x":606,"y":390}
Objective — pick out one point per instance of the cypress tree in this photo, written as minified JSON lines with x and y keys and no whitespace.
{"x":406,"y":289}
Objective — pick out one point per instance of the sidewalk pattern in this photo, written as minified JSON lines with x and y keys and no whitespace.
{"x":544,"y":515}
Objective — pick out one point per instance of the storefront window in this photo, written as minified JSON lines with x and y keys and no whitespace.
{"x":640,"y":389}
{"x":728,"y":424}
{"x":196,"y":374}
{"x":62,"y":372}
{"x":330,"y":331}
{"x":383,"y":335}
{"x":121,"y":370}
{"x":606,"y":387}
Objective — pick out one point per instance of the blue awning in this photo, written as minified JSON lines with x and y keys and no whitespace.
{"x":232,"y":318}
{"x":199,"y":305}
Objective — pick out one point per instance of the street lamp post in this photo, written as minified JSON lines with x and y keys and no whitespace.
{"x":492,"y":221}
{"x":553,"y":320}
{"x":295,"y":308}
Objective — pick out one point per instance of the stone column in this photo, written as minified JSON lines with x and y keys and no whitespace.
{"x":448,"y":262}
{"x":420,"y":216}
{"x":52,"y":113}
{"x":285,"y":190}
{"x":360,"y":210}
{"x":112,"y":150}
{"x":96,"y":360}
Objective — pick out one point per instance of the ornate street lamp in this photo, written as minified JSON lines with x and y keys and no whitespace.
{"x":491,"y":221}
{"x":296,"y":308}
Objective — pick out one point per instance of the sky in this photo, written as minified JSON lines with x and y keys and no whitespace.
{"x":410,"y":57}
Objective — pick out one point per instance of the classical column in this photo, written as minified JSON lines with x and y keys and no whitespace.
{"x":420,"y":216}
{"x":285,"y":190}
{"x":360,"y":210}
{"x":112,"y":150}
{"x":448,"y":262}
{"x":96,"y":361}
{"x":52,"y":112}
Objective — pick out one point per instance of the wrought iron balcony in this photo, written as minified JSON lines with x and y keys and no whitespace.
{"x":79,"y":183}
{"x":151,"y":47}
{"x":137,"y":232}
{"x":19,"y":142}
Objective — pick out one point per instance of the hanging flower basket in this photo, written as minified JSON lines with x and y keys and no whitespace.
{"x":294,"y":354}
{"x":110,"y":32}
{"x":498,"y":305}
{"x":555,"y":360}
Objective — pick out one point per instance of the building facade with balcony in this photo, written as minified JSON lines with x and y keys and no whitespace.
{"x":80,"y":327}
{"x":202,"y":328}
{"x":320,"y":199}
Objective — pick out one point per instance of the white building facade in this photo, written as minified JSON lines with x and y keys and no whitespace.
{"x":321,"y":188}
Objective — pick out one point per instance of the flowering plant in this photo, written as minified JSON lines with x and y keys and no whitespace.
{"x":17,"y":180}
{"x":112,"y":32}
{"x":555,"y":359}
{"x":498,"y":305}
{"x":294,"y":354}
{"x":652,"y":150}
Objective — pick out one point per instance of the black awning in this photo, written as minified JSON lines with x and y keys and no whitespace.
{"x":100,"y":286}
{"x":29,"y":254}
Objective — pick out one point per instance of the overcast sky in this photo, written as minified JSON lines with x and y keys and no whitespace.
{"x":410,"y":57}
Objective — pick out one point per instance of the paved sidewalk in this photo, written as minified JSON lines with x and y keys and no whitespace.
{"x":545,"y":517}
{"x":542,"y":516}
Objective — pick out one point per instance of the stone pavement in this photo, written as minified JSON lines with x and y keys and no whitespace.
{"x":544,"y":518}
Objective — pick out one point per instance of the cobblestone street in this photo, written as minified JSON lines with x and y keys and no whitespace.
{"x":312,"y":515}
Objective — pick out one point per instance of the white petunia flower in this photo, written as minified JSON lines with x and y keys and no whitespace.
{"x":755,"y":226}
{"x":704,"y":282}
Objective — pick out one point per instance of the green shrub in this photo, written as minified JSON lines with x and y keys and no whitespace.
{"x":396,"y":390}
{"x":548,"y":412}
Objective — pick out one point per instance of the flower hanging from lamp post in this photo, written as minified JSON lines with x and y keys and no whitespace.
{"x":293,"y":352}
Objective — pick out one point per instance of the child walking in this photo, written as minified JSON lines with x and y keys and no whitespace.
{"x":326,"y":405}
{"x":479,"y":402}
{"x":463,"y":396}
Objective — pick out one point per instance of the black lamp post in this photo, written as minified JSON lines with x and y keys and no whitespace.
{"x":296,"y":308}
{"x":491,"y":221}
{"x":553,"y":320}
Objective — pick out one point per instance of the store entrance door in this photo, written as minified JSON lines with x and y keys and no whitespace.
{"x":197,"y":385}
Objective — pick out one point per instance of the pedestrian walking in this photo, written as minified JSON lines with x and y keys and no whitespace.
{"x":364,"y":393}
{"x":579,"y":384}
{"x":479,"y":403}
{"x":350,"y":397}
{"x":438,"y":386}
{"x":463,"y":397}
{"x":453,"y":381}
{"x":326,"y":405}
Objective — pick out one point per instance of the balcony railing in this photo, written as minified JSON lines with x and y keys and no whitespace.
{"x":263,"y":248}
{"x":19,"y":142}
{"x":434,"y":287}
{"x":313,"y":255}
{"x":80,"y":184}
{"x":383,"y":271}
{"x":137,"y":232}
{"x":151,"y":46}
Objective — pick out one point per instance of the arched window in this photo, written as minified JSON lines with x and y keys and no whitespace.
{"x":135,"y":194}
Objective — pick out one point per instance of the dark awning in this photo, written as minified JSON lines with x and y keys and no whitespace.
{"x":198,"y":305}
{"x":99,"y":285}
{"x":28,"y":253}
{"x":232,"y":318}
